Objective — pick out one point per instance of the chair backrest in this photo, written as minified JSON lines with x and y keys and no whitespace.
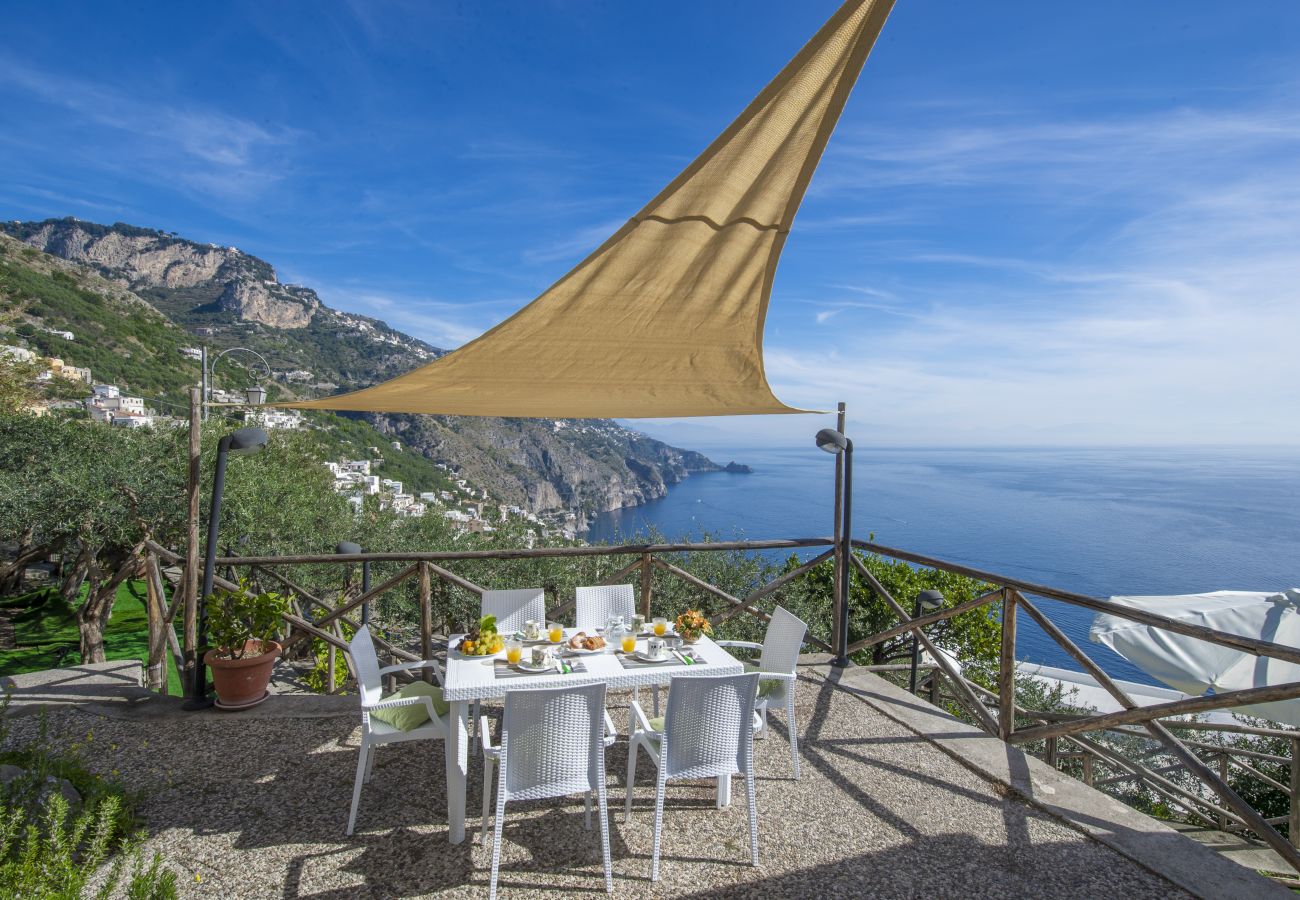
{"x":709,"y":726}
{"x":366,"y":662}
{"x":552,"y":742}
{"x":597,"y":604}
{"x":782,"y":643}
{"x":514,"y":608}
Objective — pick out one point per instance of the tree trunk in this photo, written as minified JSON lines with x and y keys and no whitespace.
{"x":11,"y":575}
{"x":74,"y":574}
{"x":94,"y":613}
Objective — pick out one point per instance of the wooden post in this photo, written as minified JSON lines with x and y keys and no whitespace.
{"x":1087,"y":768}
{"x":156,"y":609}
{"x":934,"y":687}
{"x":426,"y":618}
{"x":1293,"y":820}
{"x":647,"y":581}
{"x":1051,"y":754}
{"x":1007,"y":673}
{"x":191,"y":585}
{"x":836,"y":630}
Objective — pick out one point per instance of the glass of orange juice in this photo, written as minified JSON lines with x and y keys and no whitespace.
{"x":629,"y":641}
{"x":555,"y":632}
{"x":661,"y":626}
{"x":514,"y":651}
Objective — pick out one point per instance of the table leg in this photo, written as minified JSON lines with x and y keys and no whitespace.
{"x":457,"y":770}
{"x":724,"y":791}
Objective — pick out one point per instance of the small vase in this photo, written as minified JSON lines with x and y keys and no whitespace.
{"x":690,"y":637}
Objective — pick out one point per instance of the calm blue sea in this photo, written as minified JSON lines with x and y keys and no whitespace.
{"x":1095,"y":521}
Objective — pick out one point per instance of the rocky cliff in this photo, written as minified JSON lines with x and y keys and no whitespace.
{"x":225,"y":297}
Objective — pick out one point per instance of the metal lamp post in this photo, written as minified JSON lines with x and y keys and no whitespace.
{"x":244,"y":442}
{"x":256,"y":395}
{"x":350,"y":548}
{"x":926,"y":602}
{"x":834,"y":442}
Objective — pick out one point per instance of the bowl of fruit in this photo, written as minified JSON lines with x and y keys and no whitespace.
{"x":484,"y":640}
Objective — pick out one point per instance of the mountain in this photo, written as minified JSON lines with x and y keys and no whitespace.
{"x":184,"y":293}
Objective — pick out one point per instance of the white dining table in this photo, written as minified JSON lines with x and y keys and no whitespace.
{"x":470,"y":678}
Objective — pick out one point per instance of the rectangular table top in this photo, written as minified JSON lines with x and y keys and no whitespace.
{"x":473,"y":677}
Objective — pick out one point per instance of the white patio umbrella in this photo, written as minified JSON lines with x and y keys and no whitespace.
{"x":1198,"y":667}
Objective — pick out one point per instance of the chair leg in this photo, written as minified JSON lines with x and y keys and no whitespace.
{"x":603,"y":800}
{"x":751,"y":802}
{"x":660,"y":790}
{"x":655,"y":689}
{"x":370,"y":763}
{"x":496,"y":848}
{"x":356,"y":785}
{"x":488,"y":770}
{"x":586,"y":817}
{"x":793,"y":730}
{"x":633,"y":747}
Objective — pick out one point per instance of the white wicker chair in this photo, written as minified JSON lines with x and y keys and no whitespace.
{"x":776,"y":667}
{"x":552,"y":745}
{"x":514,"y":608}
{"x":373,"y":732}
{"x":707,"y":732}
{"x":597,"y":604}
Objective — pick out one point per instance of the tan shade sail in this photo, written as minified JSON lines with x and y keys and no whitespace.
{"x":666,"y":317}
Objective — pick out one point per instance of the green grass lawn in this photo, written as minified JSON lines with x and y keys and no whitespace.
{"x":47,"y":636}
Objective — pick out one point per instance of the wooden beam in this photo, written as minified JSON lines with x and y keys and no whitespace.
{"x":1007,"y":674}
{"x":156,"y":610}
{"x":453,"y":578}
{"x":928,"y":619}
{"x":647,"y":584}
{"x":426,"y":617}
{"x":355,"y":602}
{"x":746,"y":605}
{"x":959,"y":684}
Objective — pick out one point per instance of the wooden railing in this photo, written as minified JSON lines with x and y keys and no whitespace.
{"x":1061,"y":738}
{"x":997,"y":711}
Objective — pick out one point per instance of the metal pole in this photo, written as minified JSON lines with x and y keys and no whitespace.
{"x":200,"y":699}
{"x":207,"y":396}
{"x":839,"y":531}
{"x":365,"y":589}
{"x":916,"y":647}
{"x":191,"y":587}
{"x":842,"y":659}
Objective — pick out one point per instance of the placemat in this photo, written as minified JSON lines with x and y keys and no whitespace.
{"x":503,"y":669}
{"x":628,"y":661}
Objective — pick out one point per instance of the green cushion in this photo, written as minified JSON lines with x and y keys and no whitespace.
{"x":408,"y":718}
{"x":765,"y":687}
{"x":657,"y":723}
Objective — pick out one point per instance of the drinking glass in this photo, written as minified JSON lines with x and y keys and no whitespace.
{"x":514,"y":651}
{"x":629,"y":641}
{"x":555,"y":632}
{"x":638,"y":623}
{"x":661,"y":626}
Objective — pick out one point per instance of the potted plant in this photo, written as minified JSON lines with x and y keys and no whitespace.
{"x":242,"y":625}
{"x":691,"y":624}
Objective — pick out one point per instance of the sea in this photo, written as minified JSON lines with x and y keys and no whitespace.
{"x":1095,"y":521}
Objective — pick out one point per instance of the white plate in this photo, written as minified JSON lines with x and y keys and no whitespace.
{"x":529,"y":667}
{"x":645,"y":657}
{"x":570,"y":651}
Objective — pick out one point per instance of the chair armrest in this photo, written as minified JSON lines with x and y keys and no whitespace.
{"x":483,"y":733}
{"x":419,"y":664}
{"x":643,"y":723}
{"x":749,"y":645}
{"x":405,"y":701}
{"x":610,"y":729}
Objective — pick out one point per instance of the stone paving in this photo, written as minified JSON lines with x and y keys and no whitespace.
{"x":255,"y":806}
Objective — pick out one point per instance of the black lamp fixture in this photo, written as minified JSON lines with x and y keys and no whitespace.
{"x":926,"y":602}
{"x":835,"y":442}
{"x":351,"y":548}
{"x":244,"y":442}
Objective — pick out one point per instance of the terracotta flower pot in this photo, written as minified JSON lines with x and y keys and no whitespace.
{"x":241,"y":683}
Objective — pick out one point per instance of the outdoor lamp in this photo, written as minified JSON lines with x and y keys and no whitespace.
{"x":926,"y":602}
{"x":256,"y":395}
{"x":244,"y":442}
{"x":350,"y":548}
{"x":835,"y":442}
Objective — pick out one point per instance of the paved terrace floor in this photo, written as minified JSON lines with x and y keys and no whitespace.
{"x":255,"y":805}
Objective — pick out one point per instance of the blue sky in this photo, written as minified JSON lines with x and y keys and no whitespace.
{"x":1037,"y":223}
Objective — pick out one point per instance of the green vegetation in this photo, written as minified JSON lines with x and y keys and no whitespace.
{"x":238,"y":617}
{"x":47,"y":635}
{"x":50,"y":850}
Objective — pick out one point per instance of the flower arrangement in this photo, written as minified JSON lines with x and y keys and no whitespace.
{"x":691,"y":624}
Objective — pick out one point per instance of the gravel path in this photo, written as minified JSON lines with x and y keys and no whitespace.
{"x":256,"y":808}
